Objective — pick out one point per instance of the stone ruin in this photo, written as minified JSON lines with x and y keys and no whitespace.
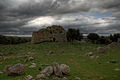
{"x":53,"y":33}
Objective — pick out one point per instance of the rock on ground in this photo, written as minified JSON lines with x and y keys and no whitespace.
{"x":17,"y":69}
{"x":90,"y":54}
{"x":65,"y":69}
{"x":33,"y":65}
{"x":1,"y":72}
{"x":57,"y":69}
{"x":64,"y":78}
{"x":101,"y":49}
{"x":77,"y":78}
{"x":29,"y":77}
{"x":50,"y":52}
{"x":28,"y":58}
{"x":41,"y":76}
{"x":47,"y":71}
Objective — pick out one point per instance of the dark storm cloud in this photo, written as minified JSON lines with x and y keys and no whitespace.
{"x":15,"y":14}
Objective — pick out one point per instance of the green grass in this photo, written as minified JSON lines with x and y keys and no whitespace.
{"x":72,"y":54}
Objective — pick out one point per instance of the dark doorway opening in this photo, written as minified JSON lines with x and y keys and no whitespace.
{"x":54,"y":39}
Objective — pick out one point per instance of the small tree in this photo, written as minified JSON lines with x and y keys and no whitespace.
{"x":93,"y":36}
{"x":73,"y":34}
{"x":104,"y":40}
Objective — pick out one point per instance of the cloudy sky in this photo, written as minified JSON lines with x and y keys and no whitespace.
{"x":22,"y":17}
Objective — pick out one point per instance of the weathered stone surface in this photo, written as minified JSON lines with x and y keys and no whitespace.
{"x":33,"y":65}
{"x":18,"y":69}
{"x":47,"y":71}
{"x":41,"y":76}
{"x":101,"y":49}
{"x":53,"y":33}
{"x":29,"y":58}
{"x":57,"y":69}
{"x":29,"y":77}
{"x":64,"y":78}
{"x":65,"y":69}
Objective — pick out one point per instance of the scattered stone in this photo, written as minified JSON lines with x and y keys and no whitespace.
{"x":48,"y":71}
{"x":101,"y":49}
{"x":116,"y":69}
{"x":77,"y":78}
{"x":97,"y":57}
{"x":92,"y":57}
{"x":64,"y":78}
{"x":1,"y":73}
{"x":90,"y":54}
{"x":65,"y":69}
{"x":50,"y":52}
{"x":33,"y":65}
{"x":29,"y":77}
{"x":57,"y":69}
{"x":17,"y":69}
{"x":41,"y":76}
{"x":28,"y":58}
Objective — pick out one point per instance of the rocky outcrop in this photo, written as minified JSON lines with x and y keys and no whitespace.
{"x":53,"y":33}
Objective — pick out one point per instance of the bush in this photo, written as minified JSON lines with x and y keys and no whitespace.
{"x":93,"y":36}
{"x":74,"y":34}
{"x":12,"y":40}
{"x":114,"y":37}
{"x":104,"y":40}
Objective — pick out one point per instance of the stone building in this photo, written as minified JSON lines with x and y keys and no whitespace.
{"x":53,"y":33}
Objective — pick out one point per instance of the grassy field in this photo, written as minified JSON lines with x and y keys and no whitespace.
{"x":72,"y":54}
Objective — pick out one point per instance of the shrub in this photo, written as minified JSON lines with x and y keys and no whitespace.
{"x":74,"y":34}
{"x":93,"y":36}
{"x":104,"y":40}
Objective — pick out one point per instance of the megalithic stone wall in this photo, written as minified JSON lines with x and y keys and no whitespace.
{"x":53,"y":33}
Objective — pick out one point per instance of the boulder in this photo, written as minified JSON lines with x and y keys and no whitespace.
{"x":101,"y":49}
{"x":17,"y":69}
{"x":41,"y":76}
{"x":47,"y":71}
{"x":57,"y":69}
{"x":65,"y":69}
